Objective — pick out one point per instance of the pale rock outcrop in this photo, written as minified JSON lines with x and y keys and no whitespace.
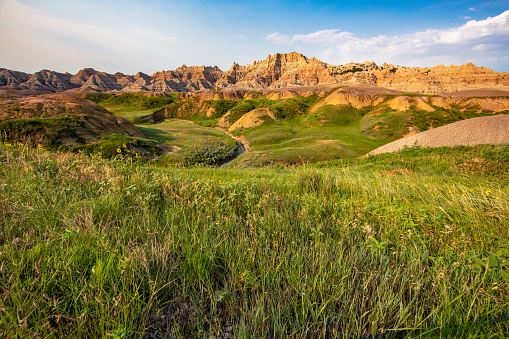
{"x":357,"y":100}
{"x":253,"y":118}
{"x":224,"y":121}
{"x":422,"y":104}
{"x":401,"y":103}
{"x":210,"y":112}
{"x":440,"y":102}
{"x":278,"y":71}
{"x":281,"y":95}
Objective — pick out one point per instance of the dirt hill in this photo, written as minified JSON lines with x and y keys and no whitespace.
{"x":470,"y":132}
{"x":60,"y":119}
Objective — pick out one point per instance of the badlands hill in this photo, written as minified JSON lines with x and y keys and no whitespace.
{"x":60,"y":119}
{"x":278,"y":71}
{"x":286,"y":109}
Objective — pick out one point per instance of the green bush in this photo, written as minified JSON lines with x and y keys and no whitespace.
{"x":222,"y":106}
{"x":211,"y":153}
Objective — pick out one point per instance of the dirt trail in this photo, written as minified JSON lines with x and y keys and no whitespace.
{"x":242,"y":144}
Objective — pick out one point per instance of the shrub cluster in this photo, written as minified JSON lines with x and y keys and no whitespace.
{"x":210,"y":153}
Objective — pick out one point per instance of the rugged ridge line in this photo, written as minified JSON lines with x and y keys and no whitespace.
{"x":277,"y":71}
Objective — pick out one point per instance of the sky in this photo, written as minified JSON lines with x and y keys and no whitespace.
{"x":130,"y":36}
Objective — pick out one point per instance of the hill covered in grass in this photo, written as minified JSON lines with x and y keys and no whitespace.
{"x":67,"y":122}
{"x":413,"y":244}
{"x":318,"y":124}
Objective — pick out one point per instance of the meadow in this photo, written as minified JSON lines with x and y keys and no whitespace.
{"x":407,"y":245}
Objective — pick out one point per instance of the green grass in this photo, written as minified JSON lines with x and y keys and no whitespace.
{"x":186,"y":135}
{"x":45,"y":131}
{"x":299,"y":136}
{"x":393,"y":124}
{"x":112,"y":144}
{"x":410,"y":245}
{"x":130,"y":105}
{"x":293,"y":141}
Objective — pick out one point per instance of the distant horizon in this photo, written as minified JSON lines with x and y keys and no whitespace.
{"x":131,"y":36}
{"x":225,"y":70}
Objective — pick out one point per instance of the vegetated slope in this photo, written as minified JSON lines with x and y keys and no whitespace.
{"x":58,"y":120}
{"x":321,"y":124}
{"x":131,"y":105}
{"x":190,"y":144}
{"x":411,"y":245}
{"x":287,"y":70}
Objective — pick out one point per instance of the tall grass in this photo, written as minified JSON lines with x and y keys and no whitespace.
{"x":95,"y":248}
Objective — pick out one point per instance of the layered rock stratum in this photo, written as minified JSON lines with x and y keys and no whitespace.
{"x":278,"y":71}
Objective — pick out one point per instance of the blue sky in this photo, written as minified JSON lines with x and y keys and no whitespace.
{"x":129,"y":36}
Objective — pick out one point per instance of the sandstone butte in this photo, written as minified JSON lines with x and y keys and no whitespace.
{"x":293,"y":72}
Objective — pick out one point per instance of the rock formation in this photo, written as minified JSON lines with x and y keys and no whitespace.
{"x":253,"y":118}
{"x":278,"y":71}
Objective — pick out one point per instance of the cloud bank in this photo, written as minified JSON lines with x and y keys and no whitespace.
{"x":484,"y":42}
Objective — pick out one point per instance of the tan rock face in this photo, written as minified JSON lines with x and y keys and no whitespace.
{"x":278,"y":71}
{"x":400,"y":104}
{"x":440,"y":102}
{"x":253,"y":118}
{"x":357,"y":100}
{"x":224,"y":121}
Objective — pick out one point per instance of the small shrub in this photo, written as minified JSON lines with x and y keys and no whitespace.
{"x":210,"y":154}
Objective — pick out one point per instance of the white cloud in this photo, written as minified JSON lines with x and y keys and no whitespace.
{"x":28,"y":36}
{"x":459,"y":44}
{"x":327,"y":36}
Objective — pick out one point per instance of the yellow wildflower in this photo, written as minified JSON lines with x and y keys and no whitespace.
{"x":119,"y":150}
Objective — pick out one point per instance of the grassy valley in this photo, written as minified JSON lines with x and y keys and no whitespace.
{"x":299,"y":236}
{"x":308,"y":128}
